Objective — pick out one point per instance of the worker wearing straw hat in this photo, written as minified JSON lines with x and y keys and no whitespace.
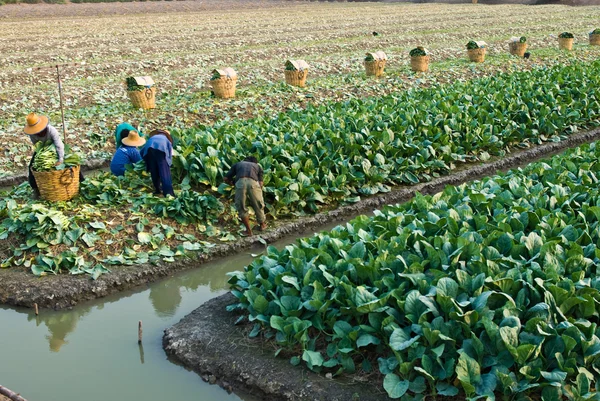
{"x":158,"y":155}
{"x":127,"y":153}
{"x":39,"y":130}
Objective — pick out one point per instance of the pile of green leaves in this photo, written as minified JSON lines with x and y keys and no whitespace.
{"x":471,"y":45}
{"x":289,"y":66}
{"x":134,"y":189}
{"x":417,"y":51}
{"x":369,"y":57}
{"x":215,"y":75}
{"x":522,"y":39}
{"x":490,"y":287}
{"x":132,"y":85}
{"x":337,"y":152}
{"x":566,"y":35}
{"x":595,"y":32}
{"x":46,"y":158}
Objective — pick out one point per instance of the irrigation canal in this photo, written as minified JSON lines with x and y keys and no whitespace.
{"x":90,"y":352}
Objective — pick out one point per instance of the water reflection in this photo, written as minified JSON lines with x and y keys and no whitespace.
{"x":59,"y":324}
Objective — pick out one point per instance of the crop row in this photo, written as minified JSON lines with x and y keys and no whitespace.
{"x":339,"y":151}
{"x":332,"y":38}
{"x":322,"y":156}
{"x":489,"y":287}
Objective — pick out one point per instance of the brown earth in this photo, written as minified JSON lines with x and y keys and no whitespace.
{"x":21,"y":288}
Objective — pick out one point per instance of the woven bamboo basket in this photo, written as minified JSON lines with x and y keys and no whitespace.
{"x":595,"y":39}
{"x":476,"y":55}
{"x":419,"y":63}
{"x":144,"y":99}
{"x":224,"y":87}
{"x":375,"y":68}
{"x":565,"y":43}
{"x":57,"y":185}
{"x":296,"y":78}
{"x":517,"y":48}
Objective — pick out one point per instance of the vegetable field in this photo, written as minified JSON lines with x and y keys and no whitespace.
{"x":315,"y":158}
{"x":179,"y":49}
{"x":484,"y":289}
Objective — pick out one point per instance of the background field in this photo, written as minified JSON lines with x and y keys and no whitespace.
{"x":179,"y":43}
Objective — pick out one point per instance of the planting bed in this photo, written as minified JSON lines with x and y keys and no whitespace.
{"x":332,"y":37}
{"x":485,"y":289}
{"x":408,"y":137}
{"x":18,"y":287}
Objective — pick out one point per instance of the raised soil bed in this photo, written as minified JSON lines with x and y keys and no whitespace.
{"x":19,"y":287}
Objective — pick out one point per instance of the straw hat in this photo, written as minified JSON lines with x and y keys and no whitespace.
{"x":35,"y":124}
{"x":133,"y":139}
{"x":162,"y":132}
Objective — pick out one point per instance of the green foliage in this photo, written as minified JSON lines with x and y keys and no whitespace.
{"x":472,"y":45}
{"x":417,"y":51}
{"x":566,"y":35}
{"x":490,"y":286}
{"x":337,"y":152}
{"x":46,"y":158}
{"x":522,"y":39}
{"x":132,"y":85}
{"x":595,"y":32}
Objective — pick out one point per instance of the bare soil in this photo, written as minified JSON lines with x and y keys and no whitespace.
{"x":20,"y":288}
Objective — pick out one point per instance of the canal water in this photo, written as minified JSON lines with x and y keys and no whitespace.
{"x":90,"y":353}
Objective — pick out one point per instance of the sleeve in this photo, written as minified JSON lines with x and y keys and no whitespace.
{"x":231,"y":172}
{"x":60,"y":148}
{"x":135,"y":156}
{"x":260,"y":173}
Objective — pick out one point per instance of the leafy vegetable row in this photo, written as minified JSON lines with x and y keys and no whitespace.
{"x":490,"y":287}
{"x":339,"y":151}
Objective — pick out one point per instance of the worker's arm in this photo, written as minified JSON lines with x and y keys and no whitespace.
{"x":60,"y":148}
{"x":260,"y":176}
{"x":229,"y":176}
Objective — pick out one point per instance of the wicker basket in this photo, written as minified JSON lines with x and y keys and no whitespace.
{"x":565,"y":43}
{"x":476,"y":55}
{"x":296,"y":78}
{"x":517,"y":48}
{"x":419,"y":63}
{"x":57,"y":185}
{"x":595,"y":39}
{"x":375,"y":67}
{"x":143,"y":99}
{"x":224,"y":87}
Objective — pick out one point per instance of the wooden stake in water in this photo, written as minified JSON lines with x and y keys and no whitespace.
{"x":62,"y":110}
{"x":37,"y":312}
{"x":11,"y":394}
{"x":140,"y":332}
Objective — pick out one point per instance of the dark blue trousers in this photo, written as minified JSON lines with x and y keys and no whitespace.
{"x":156,"y":164}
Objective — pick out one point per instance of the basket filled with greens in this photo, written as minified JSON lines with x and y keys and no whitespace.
{"x":223,"y":83}
{"x":565,"y":41}
{"x":419,"y":59}
{"x":296,"y":72}
{"x":595,"y":37}
{"x":476,"y":51}
{"x":517,"y":46}
{"x":141,"y":92}
{"x":56,"y":182}
{"x":375,"y":63}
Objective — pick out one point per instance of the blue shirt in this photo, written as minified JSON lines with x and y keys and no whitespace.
{"x":123,"y":156}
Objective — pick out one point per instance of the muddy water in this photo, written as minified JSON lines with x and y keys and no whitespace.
{"x":90,"y":353}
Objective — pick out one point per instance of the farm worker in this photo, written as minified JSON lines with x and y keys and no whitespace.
{"x":158,"y":155}
{"x":122,"y":131}
{"x":127,"y":153}
{"x":248,"y":187}
{"x":39,"y":129}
